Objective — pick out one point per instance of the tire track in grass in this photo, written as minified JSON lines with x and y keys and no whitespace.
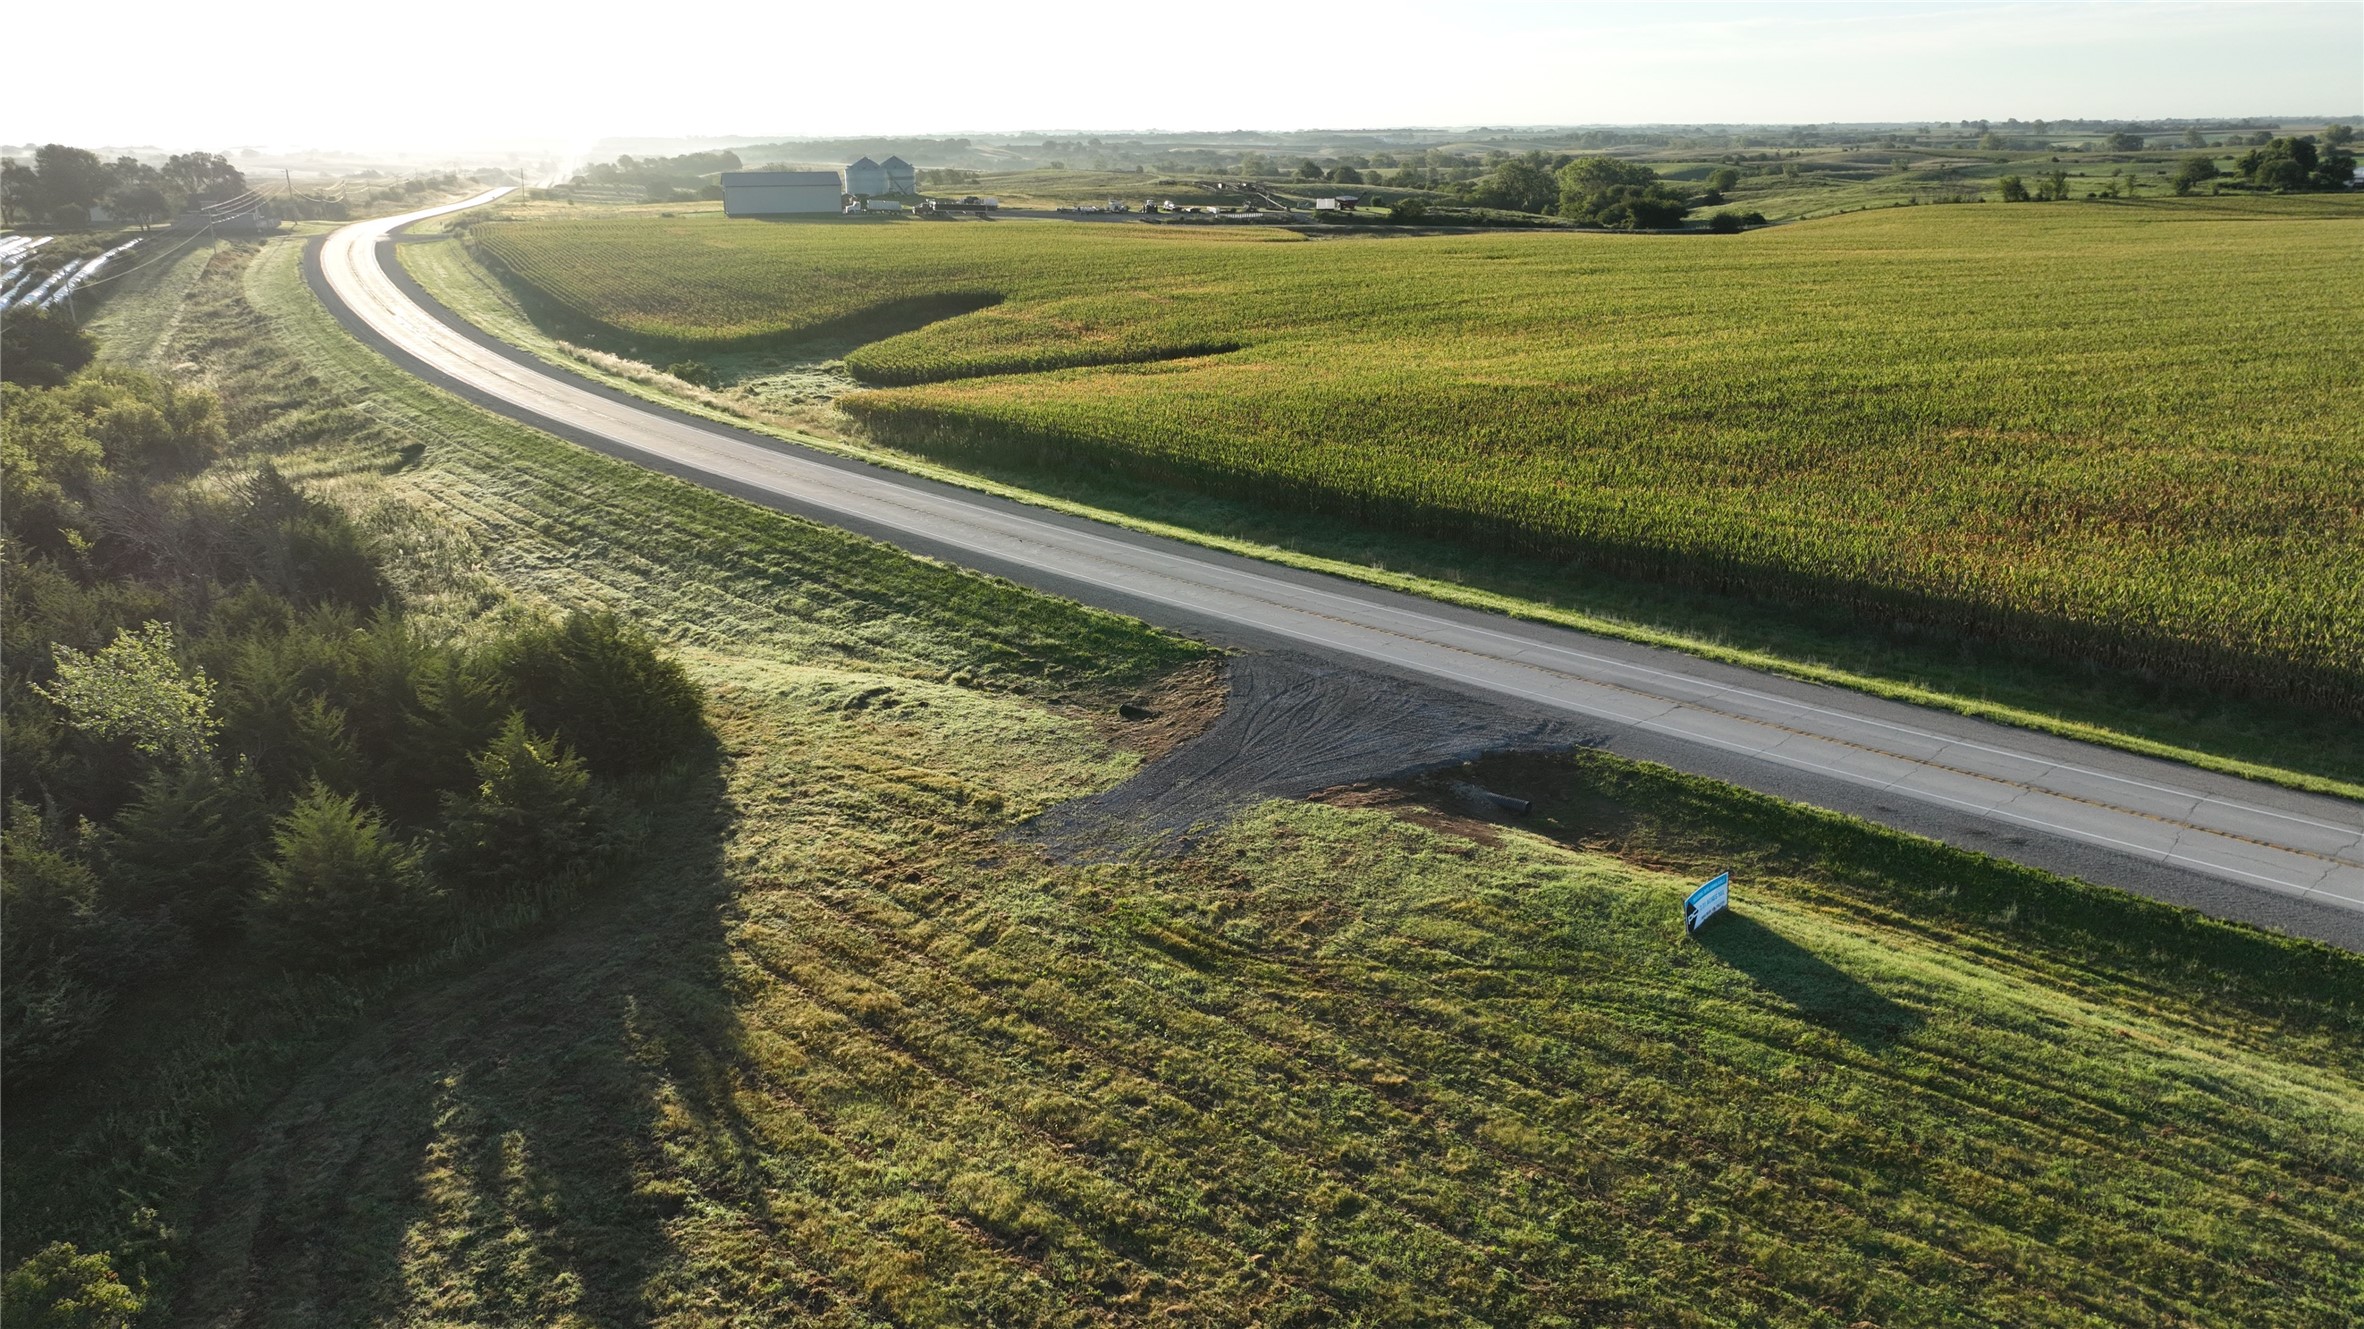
{"x":1145,"y":1080}
{"x":1144,"y":1065}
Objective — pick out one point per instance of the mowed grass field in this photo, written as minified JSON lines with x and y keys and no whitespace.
{"x":2125,"y":433}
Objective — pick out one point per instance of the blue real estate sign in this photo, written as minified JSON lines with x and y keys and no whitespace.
{"x":1707,"y":902}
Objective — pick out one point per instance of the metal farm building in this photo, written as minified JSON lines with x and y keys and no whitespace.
{"x":901,"y":176}
{"x":781,"y":193}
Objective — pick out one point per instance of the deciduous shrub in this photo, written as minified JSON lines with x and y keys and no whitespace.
{"x":59,"y":1287}
{"x":137,"y":689}
{"x":42,"y":347}
{"x":1605,"y":191}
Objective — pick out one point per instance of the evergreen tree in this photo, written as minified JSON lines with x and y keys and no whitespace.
{"x":303,"y":548}
{"x":340,"y":890}
{"x":601,"y":684}
{"x":48,"y":910}
{"x":276,"y":711}
{"x":63,"y":954}
{"x":186,"y":845}
{"x":418,"y":710}
{"x":529,"y":822}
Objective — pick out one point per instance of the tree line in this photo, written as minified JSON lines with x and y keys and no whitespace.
{"x":65,"y":186}
{"x":663,"y":179}
{"x":1590,"y":191}
{"x":1603,"y":191}
{"x":2281,"y":165}
{"x":228,"y":746}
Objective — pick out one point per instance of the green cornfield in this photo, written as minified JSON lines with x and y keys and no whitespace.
{"x":2128,"y":433}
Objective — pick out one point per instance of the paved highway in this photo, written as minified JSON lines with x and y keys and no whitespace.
{"x":2234,"y":848}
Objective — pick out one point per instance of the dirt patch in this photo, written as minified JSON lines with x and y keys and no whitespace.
{"x":1438,"y":805}
{"x":1569,"y":804}
{"x":1294,"y":724}
{"x":1170,"y":712}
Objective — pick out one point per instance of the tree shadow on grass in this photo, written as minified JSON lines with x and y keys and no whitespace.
{"x":480,"y":1152}
{"x":1822,"y":993}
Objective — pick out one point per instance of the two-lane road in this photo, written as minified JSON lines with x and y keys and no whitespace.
{"x":2234,"y":848}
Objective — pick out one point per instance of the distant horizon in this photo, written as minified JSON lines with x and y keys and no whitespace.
{"x":512,"y":79}
{"x":668,"y":144}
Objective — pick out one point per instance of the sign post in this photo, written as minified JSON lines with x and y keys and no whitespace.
{"x":1707,"y":902}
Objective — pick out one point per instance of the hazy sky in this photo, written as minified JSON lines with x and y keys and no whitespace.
{"x":288,"y":75}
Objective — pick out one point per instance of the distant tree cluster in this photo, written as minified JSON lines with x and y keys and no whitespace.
{"x":225,"y":739}
{"x":847,"y":149}
{"x":2051,"y":186}
{"x":1430,"y":169}
{"x":2291,"y":165}
{"x":1605,"y":191}
{"x":403,"y":191}
{"x":663,"y":179}
{"x":67,"y":187}
{"x":2194,"y":171}
{"x":1521,"y":184}
{"x":1592,"y":191}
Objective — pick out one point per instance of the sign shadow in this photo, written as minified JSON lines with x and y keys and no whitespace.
{"x":1821,"y":992}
